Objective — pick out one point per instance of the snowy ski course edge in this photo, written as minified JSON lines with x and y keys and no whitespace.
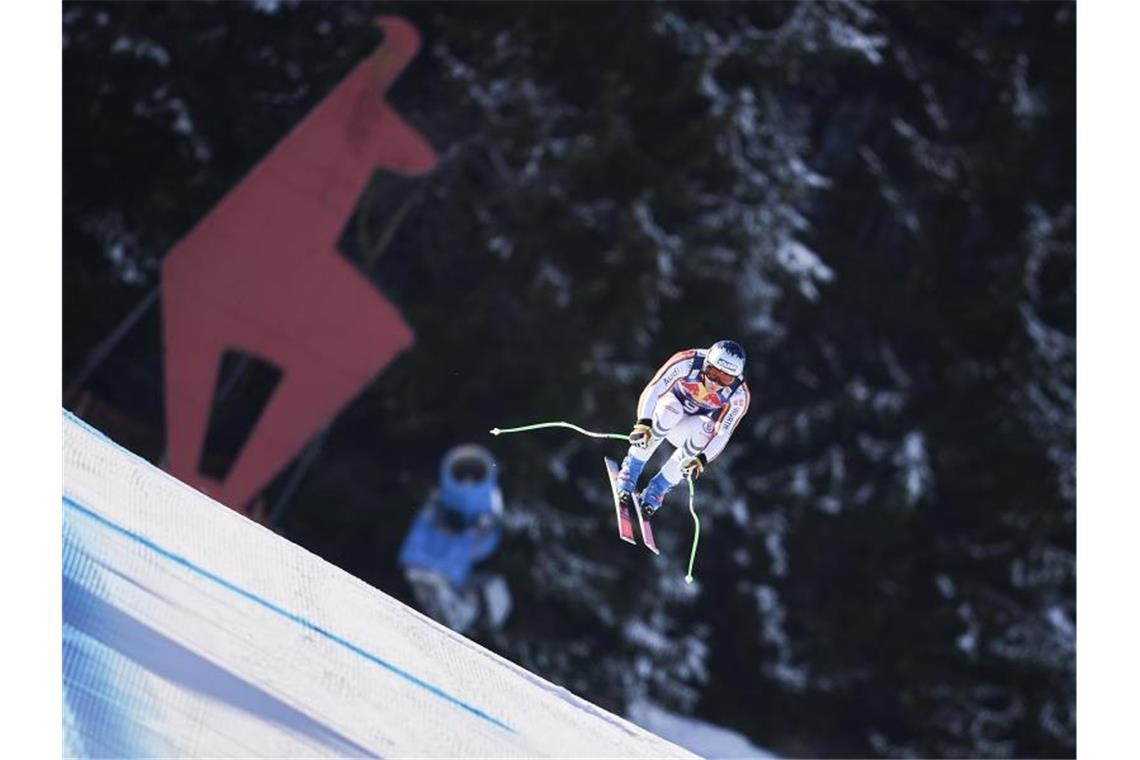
{"x":191,"y":630}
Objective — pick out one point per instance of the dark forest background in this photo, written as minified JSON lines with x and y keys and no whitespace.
{"x":876,"y":200}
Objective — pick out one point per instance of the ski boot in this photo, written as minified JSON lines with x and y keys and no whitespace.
{"x":627,"y":478}
{"x":653,"y":495}
{"x":628,"y":475}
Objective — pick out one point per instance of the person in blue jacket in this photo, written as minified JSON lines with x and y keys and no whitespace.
{"x":459,"y":527}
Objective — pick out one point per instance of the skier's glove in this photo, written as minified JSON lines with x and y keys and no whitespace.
{"x":641,"y":433}
{"x":692,"y":467}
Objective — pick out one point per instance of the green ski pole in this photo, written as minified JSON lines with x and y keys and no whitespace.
{"x":537,"y":425}
{"x":696,"y":532}
{"x":619,"y":437}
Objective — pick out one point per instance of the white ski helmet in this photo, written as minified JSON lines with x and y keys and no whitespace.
{"x":727,"y":356}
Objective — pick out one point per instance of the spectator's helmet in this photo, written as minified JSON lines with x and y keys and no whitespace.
{"x":724,"y":362}
{"x":469,"y":484}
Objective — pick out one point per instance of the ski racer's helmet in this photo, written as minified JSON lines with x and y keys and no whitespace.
{"x":724,"y":361}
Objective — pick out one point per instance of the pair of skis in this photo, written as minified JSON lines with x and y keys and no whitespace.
{"x":624,"y":518}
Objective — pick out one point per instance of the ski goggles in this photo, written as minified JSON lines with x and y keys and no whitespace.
{"x":719,"y":376}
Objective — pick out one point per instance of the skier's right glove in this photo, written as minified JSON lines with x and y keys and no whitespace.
{"x":641,"y":433}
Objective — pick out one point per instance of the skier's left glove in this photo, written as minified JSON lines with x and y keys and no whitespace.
{"x":692,"y":467}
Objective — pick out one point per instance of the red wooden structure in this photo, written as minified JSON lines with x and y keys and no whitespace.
{"x":261,"y":274}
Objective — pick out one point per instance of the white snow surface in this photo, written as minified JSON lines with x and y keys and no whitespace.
{"x":706,"y":739}
{"x":191,"y":631}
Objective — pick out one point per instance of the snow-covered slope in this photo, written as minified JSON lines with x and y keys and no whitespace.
{"x":192,"y":631}
{"x":706,"y":739}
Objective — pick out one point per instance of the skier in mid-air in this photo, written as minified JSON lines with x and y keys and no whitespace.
{"x":695,"y":401}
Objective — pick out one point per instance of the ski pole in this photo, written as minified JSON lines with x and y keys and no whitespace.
{"x":696,"y":532}
{"x":620,"y":437}
{"x":537,"y":425}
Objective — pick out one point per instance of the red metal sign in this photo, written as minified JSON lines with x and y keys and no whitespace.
{"x":261,"y":274}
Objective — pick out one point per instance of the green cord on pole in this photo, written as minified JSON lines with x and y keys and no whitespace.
{"x":696,"y":533}
{"x":536,"y":426}
{"x":620,"y":437}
